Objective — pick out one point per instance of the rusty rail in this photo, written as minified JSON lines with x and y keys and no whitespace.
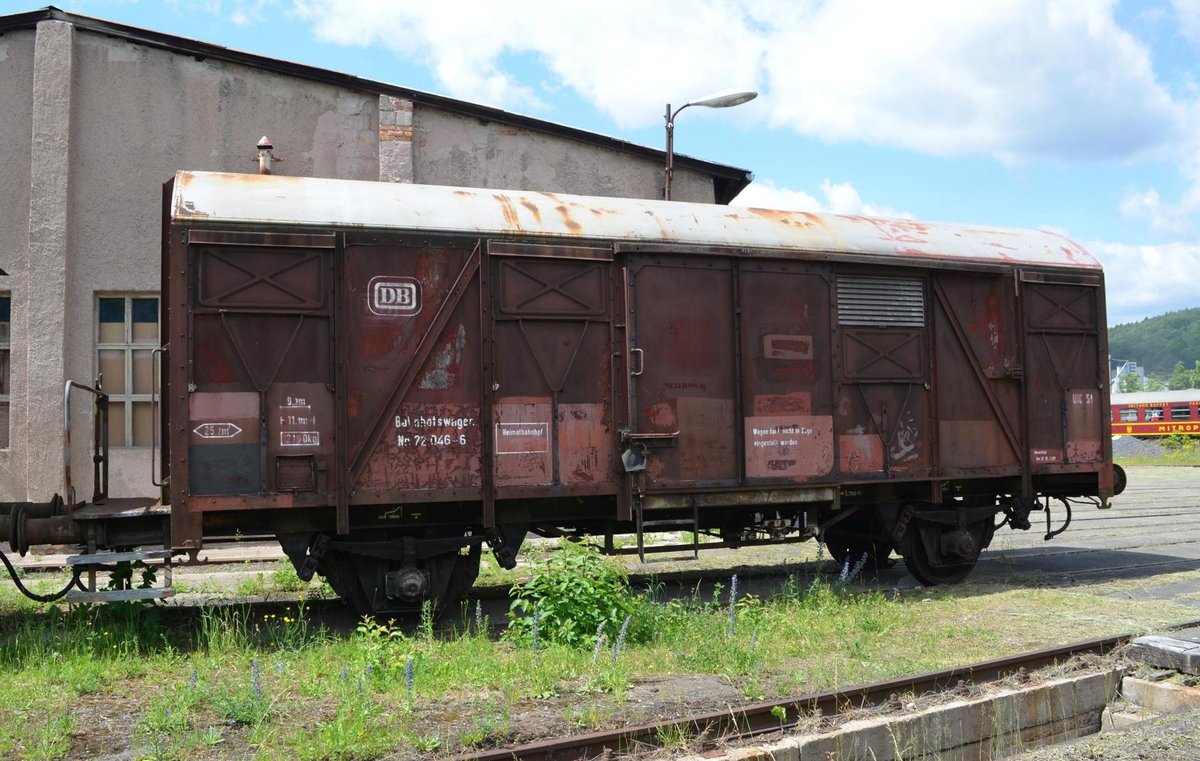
{"x":759,"y":718}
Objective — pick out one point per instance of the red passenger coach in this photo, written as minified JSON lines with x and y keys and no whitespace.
{"x":388,"y":377}
{"x":1156,"y":413}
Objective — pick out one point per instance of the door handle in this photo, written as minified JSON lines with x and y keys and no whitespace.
{"x":641,"y":362}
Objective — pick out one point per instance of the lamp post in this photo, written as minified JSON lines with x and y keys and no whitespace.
{"x":723,"y":99}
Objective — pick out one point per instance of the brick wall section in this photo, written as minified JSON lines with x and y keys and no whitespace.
{"x":395,"y":139}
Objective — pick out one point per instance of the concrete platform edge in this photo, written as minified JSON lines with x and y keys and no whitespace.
{"x":997,"y":724}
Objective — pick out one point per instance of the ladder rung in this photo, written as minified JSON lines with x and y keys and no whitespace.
{"x":120,"y":595}
{"x":100,"y":558}
{"x":652,"y":548}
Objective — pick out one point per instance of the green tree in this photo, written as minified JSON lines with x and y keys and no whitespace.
{"x":1154,"y":384}
{"x":1180,"y":378}
{"x":1157,"y":343}
{"x":1129,"y":383}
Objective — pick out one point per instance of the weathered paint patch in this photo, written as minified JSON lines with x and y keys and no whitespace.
{"x":788,"y":446}
{"x":1045,"y":456}
{"x":860,"y":453}
{"x":585,"y":446}
{"x":705,"y":441}
{"x":299,"y":418}
{"x":787,"y":347}
{"x":522,"y":431}
{"x":1083,"y":450}
{"x":446,"y":362}
{"x":662,"y":415}
{"x":428,"y":446}
{"x":794,"y":403}
{"x":221,"y":418}
{"x":1084,"y":425}
{"x":973,"y":444}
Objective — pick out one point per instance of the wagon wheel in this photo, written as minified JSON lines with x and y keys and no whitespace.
{"x":848,"y":543}
{"x":340,"y":571}
{"x":462,"y":578}
{"x":451,"y":576}
{"x":937,"y":566}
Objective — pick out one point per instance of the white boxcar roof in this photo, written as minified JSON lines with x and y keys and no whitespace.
{"x":249,"y":199}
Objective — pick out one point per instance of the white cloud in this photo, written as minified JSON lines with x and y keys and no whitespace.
{"x":765,"y":194}
{"x":1010,"y":78}
{"x":1188,"y":14}
{"x":1147,"y":280}
{"x":1170,"y":218}
{"x":839,"y":198}
{"x":625,"y":56}
{"x":242,"y":13}
{"x":1162,"y":217}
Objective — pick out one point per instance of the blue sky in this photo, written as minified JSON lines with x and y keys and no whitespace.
{"x":1082,"y":116}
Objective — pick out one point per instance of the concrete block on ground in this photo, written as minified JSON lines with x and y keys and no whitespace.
{"x":1115,"y":719}
{"x":980,"y":728}
{"x":1180,"y":651}
{"x":1164,"y":697}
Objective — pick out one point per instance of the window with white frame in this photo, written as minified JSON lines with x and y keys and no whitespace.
{"x":127,"y":334}
{"x":5,"y":354}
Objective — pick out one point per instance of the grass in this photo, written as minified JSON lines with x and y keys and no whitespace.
{"x":238,"y":683}
{"x":1177,"y":450}
{"x":1187,"y":457}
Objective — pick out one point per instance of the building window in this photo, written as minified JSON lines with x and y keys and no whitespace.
{"x":127,"y":336}
{"x":5,"y":354}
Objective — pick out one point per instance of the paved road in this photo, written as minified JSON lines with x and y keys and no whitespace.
{"x":1152,"y":529}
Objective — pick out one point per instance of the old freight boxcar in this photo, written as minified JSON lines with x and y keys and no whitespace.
{"x":388,"y":376}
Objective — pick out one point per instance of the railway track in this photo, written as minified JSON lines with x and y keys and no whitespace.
{"x":1154,"y":527}
{"x":748,"y":721}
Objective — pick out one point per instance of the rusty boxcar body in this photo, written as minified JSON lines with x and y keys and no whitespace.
{"x":388,"y":376}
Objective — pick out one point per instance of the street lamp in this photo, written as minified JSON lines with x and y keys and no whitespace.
{"x":723,"y":99}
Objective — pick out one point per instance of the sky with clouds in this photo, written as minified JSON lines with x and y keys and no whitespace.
{"x":1081,"y":116}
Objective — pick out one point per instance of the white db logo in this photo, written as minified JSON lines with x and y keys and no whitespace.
{"x":394,"y":296}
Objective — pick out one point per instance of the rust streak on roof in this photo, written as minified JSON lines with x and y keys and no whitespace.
{"x":242,"y":199}
{"x":511,"y":219}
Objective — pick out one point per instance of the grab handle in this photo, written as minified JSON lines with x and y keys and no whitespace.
{"x":641,"y":362}
{"x":156,"y":359}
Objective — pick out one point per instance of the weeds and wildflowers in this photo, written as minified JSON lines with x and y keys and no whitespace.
{"x":601,"y":639}
{"x":256,"y":679}
{"x":733,"y":591}
{"x":576,"y":592}
{"x":234,"y":680}
{"x":851,"y":572}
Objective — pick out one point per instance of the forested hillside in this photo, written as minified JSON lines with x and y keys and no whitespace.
{"x":1158,"y":343}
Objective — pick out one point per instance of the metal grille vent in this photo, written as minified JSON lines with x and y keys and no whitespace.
{"x":881,"y":301}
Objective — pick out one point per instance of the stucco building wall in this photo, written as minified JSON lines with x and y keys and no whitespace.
{"x":16,"y":120}
{"x":454,"y":149}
